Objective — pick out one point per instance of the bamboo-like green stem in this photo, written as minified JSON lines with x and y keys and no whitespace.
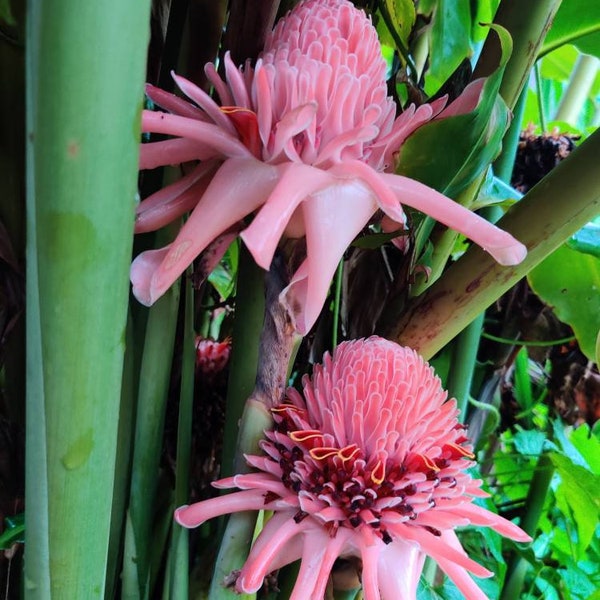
{"x":534,"y":505}
{"x":249,"y":318}
{"x":504,"y":164}
{"x":83,"y":103}
{"x":464,"y":355}
{"x":542,"y":220}
{"x":527,"y":34}
{"x":578,"y":90}
{"x":151,"y":405}
{"x":540,"y":96}
{"x":179,"y":550}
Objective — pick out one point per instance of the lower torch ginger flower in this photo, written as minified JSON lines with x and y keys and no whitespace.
{"x":307,"y":140}
{"x":368,"y":462}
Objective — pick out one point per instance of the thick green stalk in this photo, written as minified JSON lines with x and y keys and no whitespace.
{"x":534,"y":505}
{"x":542,"y":220}
{"x":85,"y":84}
{"x":528,"y":33}
{"x":581,"y":82}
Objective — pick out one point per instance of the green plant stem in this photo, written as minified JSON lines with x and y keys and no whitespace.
{"x":462,"y":366}
{"x":542,"y":220}
{"x":83,"y":104}
{"x":336,"y":303}
{"x":179,"y":549}
{"x":153,"y":390}
{"x":581,"y":82}
{"x":528,"y":33}
{"x":534,"y":505}
{"x":540,"y":96}
{"x":504,"y":164}
{"x":249,"y":319}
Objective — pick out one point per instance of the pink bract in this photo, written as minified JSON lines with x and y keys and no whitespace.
{"x":305,"y":141}
{"x":371,"y":462}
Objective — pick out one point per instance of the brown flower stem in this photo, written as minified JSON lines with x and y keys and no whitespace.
{"x":552,"y":211}
{"x":527,"y":34}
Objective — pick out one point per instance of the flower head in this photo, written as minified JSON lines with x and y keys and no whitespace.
{"x":369,"y":461}
{"x":305,"y":141}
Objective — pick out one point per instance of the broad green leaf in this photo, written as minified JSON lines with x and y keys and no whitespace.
{"x":529,"y":442}
{"x":450,"y":41}
{"x":449,"y":154}
{"x":588,"y":446}
{"x":576,"y":22}
{"x":569,"y":281}
{"x":581,"y":490}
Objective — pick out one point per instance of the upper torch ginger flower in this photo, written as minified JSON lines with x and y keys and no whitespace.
{"x":369,"y":461}
{"x":307,"y":140}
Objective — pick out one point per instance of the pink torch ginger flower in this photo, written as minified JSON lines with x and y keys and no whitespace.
{"x":306,"y":142}
{"x":369,"y":461}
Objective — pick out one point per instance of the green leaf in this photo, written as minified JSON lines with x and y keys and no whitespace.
{"x":586,"y":240}
{"x":529,"y":442}
{"x":588,"y":446}
{"x":402,"y":18}
{"x":569,"y":281}
{"x":449,"y":154}
{"x":581,"y":490}
{"x":450,"y":41}
{"x":576,"y":22}
{"x":14,"y":531}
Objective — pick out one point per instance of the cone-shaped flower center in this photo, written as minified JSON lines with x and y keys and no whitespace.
{"x":375,"y":443}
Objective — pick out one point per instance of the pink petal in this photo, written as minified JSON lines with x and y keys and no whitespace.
{"x":386,"y":199}
{"x":207,"y":135}
{"x":292,"y":123}
{"x":239,"y":187}
{"x":173,"y":103}
{"x":196,"y":514}
{"x":271,"y":545}
{"x":500,"y":244}
{"x":370,"y":555}
{"x":142,"y":270}
{"x":172,"y":201}
{"x":438,"y":547}
{"x":296,"y":183}
{"x":333,"y":218}
{"x":460,"y":577}
{"x":205,"y":102}
{"x":319,"y":552}
{"x":467,"y":102}
{"x":481,"y":516}
{"x":399,"y":570}
{"x":172,"y":152}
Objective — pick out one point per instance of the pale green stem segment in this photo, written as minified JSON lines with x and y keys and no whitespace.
{"x":85,"y":85}
{"x":580,"y":84}
{"x":527,"y":34}
{"x":542,"y":220}
{"x":536,"y":497}
{"x":179,"y":549}
{"x":153,"y":391}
